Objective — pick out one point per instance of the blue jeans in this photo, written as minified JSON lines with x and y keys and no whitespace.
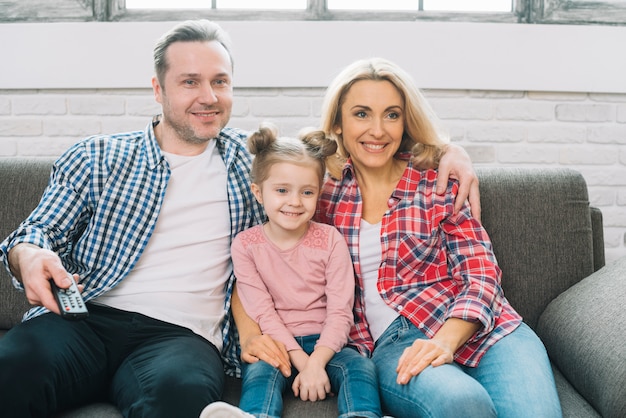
{"x":352,"y":378}
{"x":513,"y":379}
{"x":146,"y":367}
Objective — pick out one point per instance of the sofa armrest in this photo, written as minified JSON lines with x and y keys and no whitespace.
{"x":598,"y":238}
{"x":584,"y":335}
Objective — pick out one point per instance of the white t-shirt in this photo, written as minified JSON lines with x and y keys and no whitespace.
{"x":181,"y":274}
{"x":378,"y":314}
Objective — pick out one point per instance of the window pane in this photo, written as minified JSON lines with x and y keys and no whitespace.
{"x":168,"y":4}
{"x":469,"y":6}
{"x":373,"y":5}
{"x":220,"y":4}
{"x":265,"y":4}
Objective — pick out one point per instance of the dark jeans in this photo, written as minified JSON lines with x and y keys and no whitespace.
{"x":148,"y":368}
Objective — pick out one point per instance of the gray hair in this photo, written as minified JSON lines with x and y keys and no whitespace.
{"x":188,"y":31}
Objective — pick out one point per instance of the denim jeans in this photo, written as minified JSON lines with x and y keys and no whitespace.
{"x":144,"y":366}
{"x":352,"y":378}
{"x":513,"y":379}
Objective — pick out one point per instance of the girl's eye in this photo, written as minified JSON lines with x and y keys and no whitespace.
{"x":281,"y":190}
{"x":308,"y":193}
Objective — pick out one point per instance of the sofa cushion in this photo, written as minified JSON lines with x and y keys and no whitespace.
{"x":584,"y":336}
{"x":540,"y":225}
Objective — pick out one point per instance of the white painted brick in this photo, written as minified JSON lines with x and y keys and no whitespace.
{"x":73,"y":127}
{"x":613,"y":237}
{"x":621,"y":196}
{"x":614,"y":216}
{"x":97,"y":105}
{"x":463,"y":109}
{"x":614,"y":254}
{"x":280,"y":107}
{"x":8,"y":147}
{"x":43,"y":148}
{"x":313,"y":92}
{"x":556,"y":96}
{"x":621,"y":114}
{"x":481,"y":153}
{"x":604,"y":176}
{"x":524,"y":111}
{"x":496,"y":132}
{"x":601,"y":196}
{"x":142,"y":106}
{"x":241,"y":108}
{"x":588,"y":155}
{"x":5,"y":106}
{"x":41,"y":104}
{"x":117,"y":125}
{"x":561,"y":133}
{"x":607,"y":134}
{"x":20,"y":127}
{"x":585,"y":112}
{"x":516,"y":154}
{"x":622,"y":155}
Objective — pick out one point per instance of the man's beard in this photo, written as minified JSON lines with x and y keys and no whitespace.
{"x":186,"y":132}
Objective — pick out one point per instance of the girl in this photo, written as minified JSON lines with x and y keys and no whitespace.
{"x":295,"y":278}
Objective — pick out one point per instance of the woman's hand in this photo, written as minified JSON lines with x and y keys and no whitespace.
{"x":436,"y":351}
{"x":456,"y":163}
{"x":421,"y":354}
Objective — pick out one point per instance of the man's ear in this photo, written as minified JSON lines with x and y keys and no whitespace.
{"x":156,"y":88}
{"x":256,"y":191}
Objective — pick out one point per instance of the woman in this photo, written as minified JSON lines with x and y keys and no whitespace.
{"x":429,"y":307}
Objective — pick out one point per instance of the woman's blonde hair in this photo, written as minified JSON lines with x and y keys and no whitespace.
{"x":423,"y":136}
{"x":312,"y":147}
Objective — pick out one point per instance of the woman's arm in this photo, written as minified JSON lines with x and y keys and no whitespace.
{"x":254,"y":345}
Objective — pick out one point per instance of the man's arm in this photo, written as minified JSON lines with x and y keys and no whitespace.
{"x":456,"y":163}
{"x":254,"y":345}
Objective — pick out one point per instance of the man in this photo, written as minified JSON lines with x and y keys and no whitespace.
{"x":144,"y":220}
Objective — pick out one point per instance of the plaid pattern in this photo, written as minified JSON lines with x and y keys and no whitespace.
{"x":435,"y":265}
{"x":102,"y":203}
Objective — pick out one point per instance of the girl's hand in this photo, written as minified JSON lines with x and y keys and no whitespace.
{"x":311,"y":384}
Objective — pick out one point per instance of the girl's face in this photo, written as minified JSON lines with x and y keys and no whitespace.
{"x":372,"y":123}
{"x":289,"y":196}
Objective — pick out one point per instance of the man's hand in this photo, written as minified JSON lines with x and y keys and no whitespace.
{"x":35,"y":267}
{"x":456,"y":163}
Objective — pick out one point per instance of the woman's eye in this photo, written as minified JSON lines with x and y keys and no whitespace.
{"x":360,"y":114}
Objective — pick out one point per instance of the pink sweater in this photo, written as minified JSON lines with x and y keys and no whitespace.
{"x":305,"y":290}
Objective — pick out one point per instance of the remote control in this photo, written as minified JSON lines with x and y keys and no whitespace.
{"x":70,"y":301}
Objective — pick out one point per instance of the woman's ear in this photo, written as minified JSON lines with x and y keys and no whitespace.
{"x":256,"y":191}
{"x":337,"y":130}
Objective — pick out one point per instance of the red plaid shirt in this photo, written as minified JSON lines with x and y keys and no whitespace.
{"x":435,"y":265}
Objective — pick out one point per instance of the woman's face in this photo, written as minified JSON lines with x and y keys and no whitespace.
{"x":372,"y":123}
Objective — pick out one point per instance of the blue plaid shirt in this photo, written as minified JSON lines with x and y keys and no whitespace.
{"x":101,"y":205}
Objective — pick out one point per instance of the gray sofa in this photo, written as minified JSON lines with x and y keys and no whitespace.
{"x":548,"y":241}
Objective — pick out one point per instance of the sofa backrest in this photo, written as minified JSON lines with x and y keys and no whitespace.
{"x":539,"y":221}
{"x":22,"y":182}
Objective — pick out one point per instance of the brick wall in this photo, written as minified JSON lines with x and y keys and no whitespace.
{"x":586,"y":132}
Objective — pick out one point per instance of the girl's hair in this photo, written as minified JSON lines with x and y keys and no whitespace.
{"x":312,"y":147}
{"x":423,"y":136}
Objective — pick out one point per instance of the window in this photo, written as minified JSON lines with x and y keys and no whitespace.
{"x":611,"y":12}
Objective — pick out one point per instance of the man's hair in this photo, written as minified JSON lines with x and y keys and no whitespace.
{"x":188,"y":31}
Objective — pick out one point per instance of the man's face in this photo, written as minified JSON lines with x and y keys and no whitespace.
{"x":196,"y":93}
